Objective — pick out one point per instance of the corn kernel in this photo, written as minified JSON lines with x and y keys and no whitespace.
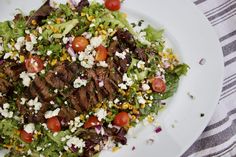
{"x":90,"y":18}
{"x":82,"y":14}
{"x":143,"y":106}
{"x":125,"y":106}
{"x":22,"y":58}
{"x":150,"y":119}
{"x":81,"y":117}
{"x":131,"y":107}
{"x":99,"y":105}
{"x":133,"y":117}
{"x":135,"y":111}
{"x":139,"y":94}
{"x":34,"y":22}
{"x":58,"y":20}
{"x":149,"y":91}
{"x":104,"y":32}
{"x":115,"y":149}
{"x":53,"y":62}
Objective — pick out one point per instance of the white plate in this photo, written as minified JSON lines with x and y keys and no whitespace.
{"x":193,"y":38}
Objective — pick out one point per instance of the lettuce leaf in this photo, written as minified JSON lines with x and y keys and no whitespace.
{"x":153,"y":34}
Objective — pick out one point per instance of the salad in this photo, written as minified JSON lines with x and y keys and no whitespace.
{"x":75,"y":77}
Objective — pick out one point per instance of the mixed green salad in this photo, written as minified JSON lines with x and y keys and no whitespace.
{"x":75,"y":77}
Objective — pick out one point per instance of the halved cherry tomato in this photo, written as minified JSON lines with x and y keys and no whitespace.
{"x":101,"y":54}
{"x":112,"y":5}
{"x":26,"y":137}
{"x":121,"y":119}
{"x":54,"y":124}
{"x":158,"y":85}
{"x":34,"y":64}
{"x":79,"y":44}
{"x":91,"y":122}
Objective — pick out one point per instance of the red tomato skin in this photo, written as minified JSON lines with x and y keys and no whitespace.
{"x":91,"y":122}
{"x":26,"y":137}
{"x":54,"y":124}
{"x":121,"y":119}
{"x":112,"y":5}
{"x":79,"y":44}
{"x":101,"y":54}
{"x":34,"y":67}
{"x":158,"y":85}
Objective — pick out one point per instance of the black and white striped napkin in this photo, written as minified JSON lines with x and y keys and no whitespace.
{"x":219,"y":137}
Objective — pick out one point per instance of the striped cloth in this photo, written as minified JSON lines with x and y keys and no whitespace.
{"x":219,"y":137}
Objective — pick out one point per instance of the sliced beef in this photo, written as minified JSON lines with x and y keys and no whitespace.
{"x":141,"y":54}
{"x":14,"y":71}
{"x":90,"y":87}
{"x":110,"y":87}
{"x":83,"y":99}
{"x":39,"y":85}
{"x":2,"y":100}
{"x":74,"y":100}
{"x":126,"y":39}
{"x":67,"y":114}
{"x":114,"y":46}
{"x":124,"y":64}
{"x":4,"y":86}
{"x":63,"y":73}
{"x":54,"y":81}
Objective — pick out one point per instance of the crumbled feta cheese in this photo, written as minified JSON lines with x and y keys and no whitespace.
{"x":23,"y":101}
{"x":102,"y":64}
{"x":101,"y":84}
{"x":39,"y":148}
{"x":19,"y":43}
{"x":43,"y":71}
{"x":86,"y":58}
{"x":122,"y":86}
{"x":1,"y":48}
{"x":121,"y":55}
{"x":40,"y":38}
{"x":55,"y":91}
{"x":96,"y":41}
{"x":76,"y":142}
{"x":49,"y":52}
{"x":29,"y":46}
{"x":40,"y":30}
{"x":4,"y":111}
{"x":26,"y":78}
{"x":141,"y":64}
{"x":92,"y":25}
{"x":116,"y":101}
{"x":141,"y":100}
{"x":115,"y":38}
{"x":142,"y":38}
{"x":145,"y":87}
{"x":29,"y":128}
{"x":110,"y":30}
{"x":79,"y":82}
{"x":35,"y":103}
{"x":50,"y":114}
{"x":75,"y":124}
{"x":54,"y":4}
{"x":29,"y":152}
{"x":129,"y":81}
{"x":7,"y":55}
{"x":45,"y":126}
{"x":65,"y":40}
{"x":101,"y":114}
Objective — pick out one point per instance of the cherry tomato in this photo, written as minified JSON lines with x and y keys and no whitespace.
{"x":26,"y":137}
{"x":79,"y":44}
{"x":112,"y":5}
{"x":101,"y":54}
{"x":158,"y":85}
{"x":121,"y":119}
{"x":54,"y":124}
{"x":91,"y":122}
{"x":34,"y":64}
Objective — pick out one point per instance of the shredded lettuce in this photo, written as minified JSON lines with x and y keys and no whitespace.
{"x":152,"y":34}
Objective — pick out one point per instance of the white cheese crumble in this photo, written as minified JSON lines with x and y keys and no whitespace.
{"x":141,"y":64}
{"x":29,"y":152}
{"x":4,"y":111}
{"x":116,"y":101}
{"x":122,"y":86}
{"x":35,"y":104}
{"x":102,"y":64}
{"x":19,"y":43}
{"x":141,"y":100}
{"x":79,"y":82}
{"x":23,"y":101}
{"x":49,"y":52}
{"x":145,"y":87}
{"x":65,"y":40}
{"x":142,"y":38}
{"x":129,"y":81}
{"x":76,"y":142}
{"x":75,"y":124}
{"x":87,"y":58}
{"x":29,"y":128}
{"x":96,"y":41}
{"x":101,"y":84}
{"x":26,"y":78}
{"x":121,"y":55}
{"x":50,"y":114}
{"x":101,"y":114}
